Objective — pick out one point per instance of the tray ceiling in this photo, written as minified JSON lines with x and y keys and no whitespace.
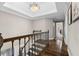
{"x":24,"y":8}
{"x":47,"y":9}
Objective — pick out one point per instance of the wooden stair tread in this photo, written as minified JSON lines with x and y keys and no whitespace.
{"x":34,"y":49}
{"x":37,"y":46}
{"x":31,"y":54}
{"x":42,"y":41}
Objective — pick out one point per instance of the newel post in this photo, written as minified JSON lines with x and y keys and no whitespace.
{"x":1,"y":42}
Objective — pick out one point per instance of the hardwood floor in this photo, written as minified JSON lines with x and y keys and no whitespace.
{"x":54,"y":50}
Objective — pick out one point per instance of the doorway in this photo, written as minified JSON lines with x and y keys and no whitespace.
{"x":59,"y":32}
{"x":59,"y":29}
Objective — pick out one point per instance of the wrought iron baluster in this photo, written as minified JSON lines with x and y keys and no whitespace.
{"x":32,"y":41}
{"x":13,"y":48}
{"x":25,"y":46}
{"x":37,"y":39}
{"x":19,"y":47}
{"x":29,"y":43}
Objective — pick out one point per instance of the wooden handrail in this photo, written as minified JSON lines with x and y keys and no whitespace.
{"x":17,"y":37}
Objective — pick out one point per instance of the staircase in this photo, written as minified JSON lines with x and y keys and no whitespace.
{"x":37,"y":47}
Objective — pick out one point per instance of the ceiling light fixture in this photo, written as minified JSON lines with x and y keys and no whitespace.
{"x":34,"y":7}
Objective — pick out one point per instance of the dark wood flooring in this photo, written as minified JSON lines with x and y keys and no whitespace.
{"x":53,"y":50}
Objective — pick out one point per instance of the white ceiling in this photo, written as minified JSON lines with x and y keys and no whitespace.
{"x":51,"y":10}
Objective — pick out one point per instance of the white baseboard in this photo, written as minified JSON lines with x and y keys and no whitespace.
{"x":51,"y":38}
{"x":69,"y":52}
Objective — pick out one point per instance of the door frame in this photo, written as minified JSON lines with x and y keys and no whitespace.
{"x":55,"y":28}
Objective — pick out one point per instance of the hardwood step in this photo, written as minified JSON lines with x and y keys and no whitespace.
{"x":43,"y":45}
{"x":34,"y":49}
{"x":42,"y":41}
{"x":31,"y":54}
{"x":53,"y":52}
{"x":39,"y":46}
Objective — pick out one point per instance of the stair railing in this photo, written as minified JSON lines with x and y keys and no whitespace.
{"x":31,"y":40}
{"x":44,"y":36}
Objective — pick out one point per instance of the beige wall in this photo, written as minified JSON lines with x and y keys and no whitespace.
{"x":72,"y":37}
{"x":11,"y":25}
{"x":45,"y":25}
